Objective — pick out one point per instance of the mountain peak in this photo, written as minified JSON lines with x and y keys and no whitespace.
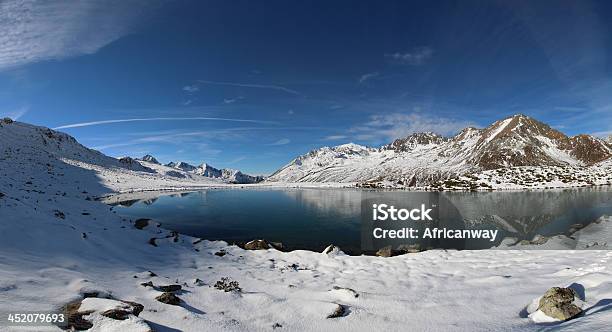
{"x":149,"y":158}
{"x":411,"y":141}
{"x":420,"y":158}
{"x":181,"y":165}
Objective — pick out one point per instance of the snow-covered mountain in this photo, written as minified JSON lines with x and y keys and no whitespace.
{"x":183,"y":166}
{"x":229,"y":175}
{"x":151,"y":159}
{"x":425,"y":159}
{"x":206,"y":170}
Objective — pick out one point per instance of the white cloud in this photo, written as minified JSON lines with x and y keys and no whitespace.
{"x":255,"y":86}
{"x":236,"y":160}
{"x":416,"y":57}
{"x":334,"y":137}
{"x":16,"y":113}
{"x":103,"y":122}
{"x":368,"y":76}
{"x":282,"y":141}
{"x":396,"y":125}
{"x":191,"y":88}
{"x":35,"y":31}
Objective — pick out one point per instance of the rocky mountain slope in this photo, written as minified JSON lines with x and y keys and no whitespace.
{"x":430,"y":160}
{"x":225,"y":174}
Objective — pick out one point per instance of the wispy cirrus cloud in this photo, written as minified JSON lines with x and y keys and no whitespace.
{"x":254,"y":86}
{"x":197,"y":118}
{"x":367,"y":76}
{"x":282,"y":141}
{"x":15,"y":114}
{"x":416,"y":57}
{"x":395,"y":125}
{"x":191,"y":88}
{"x":334,"y":137}
{"x":35,"y":31}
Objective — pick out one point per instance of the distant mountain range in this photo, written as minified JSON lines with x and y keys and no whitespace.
{"x":514,"y":153}
{"x":225,"y":174}
{"x":426,"y":159}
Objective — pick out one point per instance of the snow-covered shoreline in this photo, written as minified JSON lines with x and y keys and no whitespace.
{"x":58,"y":243}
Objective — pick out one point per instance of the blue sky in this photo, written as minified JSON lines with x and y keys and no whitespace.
{"x":250,"y":85}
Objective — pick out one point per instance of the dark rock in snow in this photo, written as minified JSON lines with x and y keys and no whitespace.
{"x":558,"y":303}
{"x":169,"y":298}
{"x":332,"y":249}
{"x":385,"y":252}
{"x":141,"y":223}
{"x":228,"y":285}
{"x":257,"y":245}
{"x":170,"y":288}
{"x":74,"y":318}
{"x":339,"y":311}
{"x":123,"y":314}
{"x":59,"y":214}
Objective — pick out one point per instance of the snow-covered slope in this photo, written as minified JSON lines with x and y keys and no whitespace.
{"x":23,"y":144}
{"x":425,"y":159}
{"x":226,"y":175}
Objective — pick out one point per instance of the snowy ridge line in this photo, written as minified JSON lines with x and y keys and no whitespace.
{"x":427,"y":160}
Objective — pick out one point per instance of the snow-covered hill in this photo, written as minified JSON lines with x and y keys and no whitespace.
{"x":429,"y":160}
{"x":23,"y":144}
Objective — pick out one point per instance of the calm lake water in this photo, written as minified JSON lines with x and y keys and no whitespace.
{"x":313,"y":218}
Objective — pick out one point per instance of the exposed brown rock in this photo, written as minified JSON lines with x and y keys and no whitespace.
{"x":169,"y":298}
{"x":557,"y":303}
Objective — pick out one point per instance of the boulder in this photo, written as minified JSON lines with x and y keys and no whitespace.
{"x":257,"y":245}
{"x":332,"y":250}
{"x":170,"y":288}
{"x":141,"y":223}
{"x":339,"y":311}
{"x":409,"y":248}
{"x":385,"y":252}
{"x":123,"y":313}
{"x":111,"y":308}
{"x":169,"y":298}
{"x":558,"y":303}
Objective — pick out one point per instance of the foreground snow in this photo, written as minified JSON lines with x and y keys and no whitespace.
{"x":57,"y":243}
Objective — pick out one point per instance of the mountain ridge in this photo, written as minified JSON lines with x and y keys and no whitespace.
{"x":424,"y":159}
{"x":206,"y":170}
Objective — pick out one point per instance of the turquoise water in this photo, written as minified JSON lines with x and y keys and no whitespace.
{"x":314,"y":218}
